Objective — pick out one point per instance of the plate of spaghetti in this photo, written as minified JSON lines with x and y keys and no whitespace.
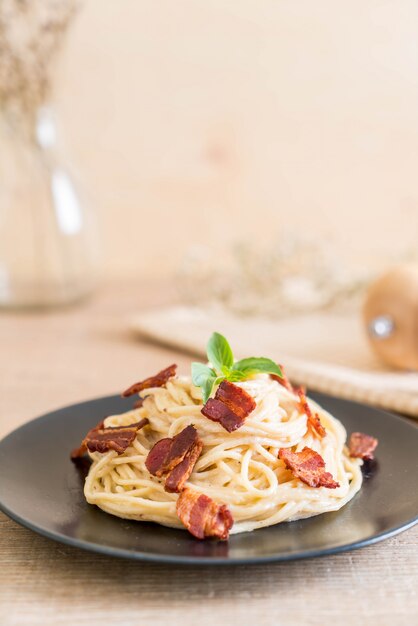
{"x":228,"y":463}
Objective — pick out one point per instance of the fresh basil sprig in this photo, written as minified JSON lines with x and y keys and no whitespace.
{"x":224,"y":367}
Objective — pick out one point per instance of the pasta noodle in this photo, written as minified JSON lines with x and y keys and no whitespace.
{"x":240,"y":469}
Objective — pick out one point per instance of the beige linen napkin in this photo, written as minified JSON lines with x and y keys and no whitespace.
{"x":325,"y":351}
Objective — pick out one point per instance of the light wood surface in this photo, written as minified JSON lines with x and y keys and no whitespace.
{"x":56,"y":358}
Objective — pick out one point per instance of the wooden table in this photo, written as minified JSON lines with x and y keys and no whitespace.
{"x":56,"y":358}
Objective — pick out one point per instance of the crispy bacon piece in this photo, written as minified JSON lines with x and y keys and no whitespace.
{"x":176,"y":457}
{"x":175,"y":480}
{"x":157,"y":455}
{"x":139,"y":403}
{"x":77,"y":453}
{"x":230,"y":406}
{"x":217,"y":411}
{"x":202,"y":516}
{"x":313,"y":420}
{"x":309,"y":466}
{"x":362,"y":446}
{"x":169,"y":452}
{"x":104,"y":438}
{"x":235,"y":398}
{"x":283,"y":381}
{"x":158,"y":380}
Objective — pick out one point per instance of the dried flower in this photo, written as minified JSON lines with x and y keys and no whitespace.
{"x":297,"y":274}
{"x":30,"y":34}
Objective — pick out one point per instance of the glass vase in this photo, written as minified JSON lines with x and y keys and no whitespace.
{"x":48,"y":239}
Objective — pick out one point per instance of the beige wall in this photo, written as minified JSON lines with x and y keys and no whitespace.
{"x":205,"y":121}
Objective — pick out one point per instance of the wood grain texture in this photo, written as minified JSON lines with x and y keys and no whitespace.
{"x":50,"y":359}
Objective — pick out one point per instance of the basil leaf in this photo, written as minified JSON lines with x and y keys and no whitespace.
{"x":200,"y":373}
{"x":208,"y":386}
{"x":219,"y":352}
{"x":220,"y":356}
{"x":257,"y":365}
{"x":234,"y":376}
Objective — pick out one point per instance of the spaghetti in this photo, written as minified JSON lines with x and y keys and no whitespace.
{"x":239,"y":469}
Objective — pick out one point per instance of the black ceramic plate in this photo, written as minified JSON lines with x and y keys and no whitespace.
{"x":42,"y":489}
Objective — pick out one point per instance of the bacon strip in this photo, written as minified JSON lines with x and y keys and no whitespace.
{"x":362,"y":446}
{"x":158,"y":380}
{"x":77,"y":453}
{"x":309,"y":466}
{"x":174,"y":483}
{"x":202,"y":516}
{"x":157,"y":455}
{"x":176,"y":457}
{"x":313,"y":420}
{"x":102,"y":439}
{"x":283,"y":381}
{"x":217,"y":411}
{"x":230,"y":406}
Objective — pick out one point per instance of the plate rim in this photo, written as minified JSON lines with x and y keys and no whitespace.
{"x":135,"y":555}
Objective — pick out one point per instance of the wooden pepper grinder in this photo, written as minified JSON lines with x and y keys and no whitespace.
{"x":391,"y":316}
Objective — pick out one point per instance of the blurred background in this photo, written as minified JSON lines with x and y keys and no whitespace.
{"x":210,"y":122}
{"x":253,"y":163}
